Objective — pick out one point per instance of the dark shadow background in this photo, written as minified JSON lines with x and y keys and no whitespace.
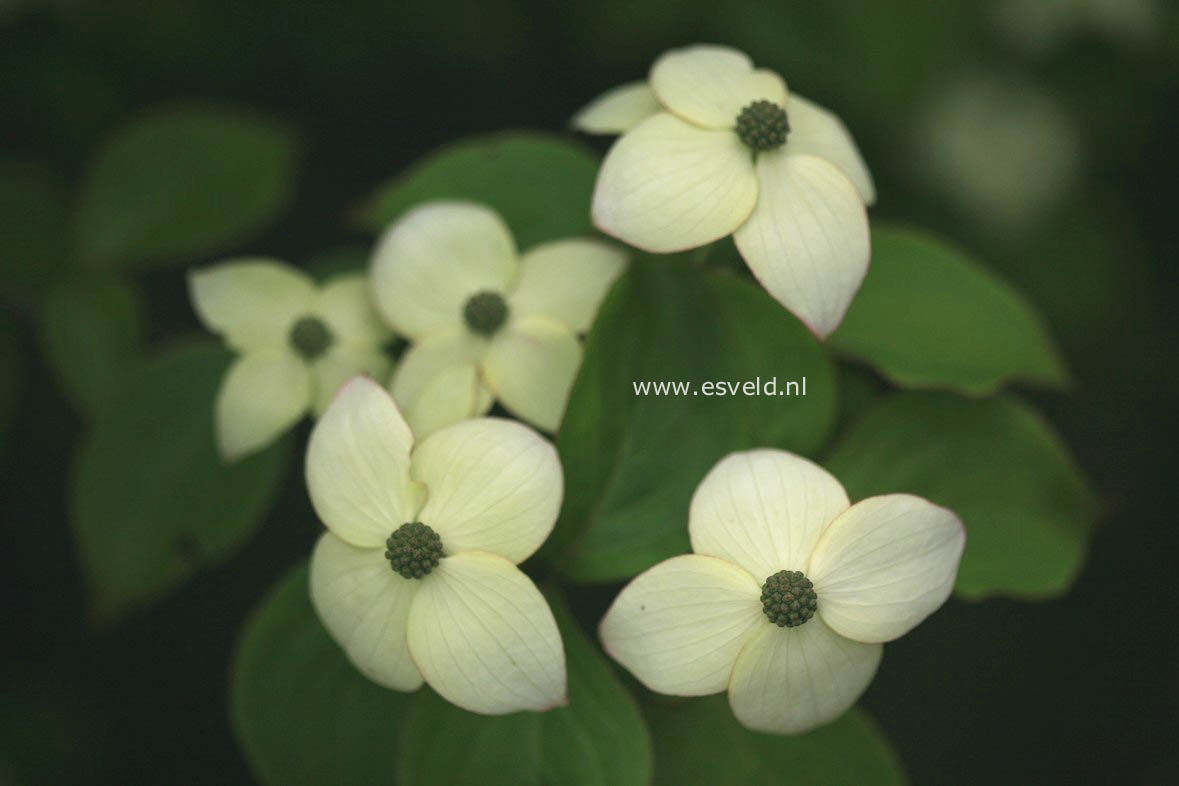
{"x":1078,"y":210}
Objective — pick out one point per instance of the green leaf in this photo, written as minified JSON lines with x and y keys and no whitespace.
{"x":599,"y":739}
{"x":859,"y":389}
{"x":540,"y":183}
{"x":1027,"y":508}
{"x":301,"y":713}
{"x":442,"y":745}
{"x":181,"y":182}
{"x":90,"y":334}
{"x":699,"y":741}
{"x":33,"y":208}
{"x":631,"y":461}
{"x":928,"y":316}
{"x":151,"y":501}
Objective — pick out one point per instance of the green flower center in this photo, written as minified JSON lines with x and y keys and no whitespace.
{"x":788,"y":598}
{"x":485,"y":312}
{"x":310,"y":337}
{"x":413,"y":550}
{"x":763,"y":126}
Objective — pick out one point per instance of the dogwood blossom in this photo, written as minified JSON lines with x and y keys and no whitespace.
{"x":485,"y":322}
{"x":788,"y":595}
{"x":297,"y":342}
{"x":712,"y":146}
{"x":416,"y":575}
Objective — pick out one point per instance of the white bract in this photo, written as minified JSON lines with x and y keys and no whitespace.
{"x":297,"y":342}
{"x":685,"y":173}
{"x":700,"y":623}
{"x":456,"y":612}
{"x":485,"y":322}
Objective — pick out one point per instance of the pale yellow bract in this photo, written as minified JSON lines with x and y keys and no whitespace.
{"x":680,"y":177}
{"x":254,"y":304}
{"x":694,"y":624}
{"x":426,"y":268}
{"x":475,"y":627}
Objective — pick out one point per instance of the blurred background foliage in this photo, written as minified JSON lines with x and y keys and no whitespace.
{"x":1036,"y":134}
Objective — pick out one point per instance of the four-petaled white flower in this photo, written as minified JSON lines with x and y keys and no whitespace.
{"x":713,"y":147}
{"x":789,"y":593}
{"x":297,"y":343}
{"x":416,"y":577}
{"x":485,"y":322}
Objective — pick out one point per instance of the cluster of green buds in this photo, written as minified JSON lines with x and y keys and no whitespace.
{"x":763,"y":126}
{"x":413,"y":550}
{"x":788,"y":598}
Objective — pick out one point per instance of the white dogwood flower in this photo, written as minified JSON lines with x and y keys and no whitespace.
{"x":789,"y":593}
{"x":297,"y":342}
{"x":485,"y":322}
{"x":712,"y":147}
{"x":416,"y":576}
